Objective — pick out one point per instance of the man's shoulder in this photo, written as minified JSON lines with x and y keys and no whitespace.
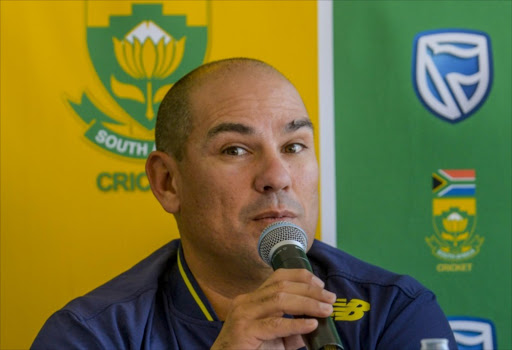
{"x":140,"y":281}
{"x":333,"y":263}
{"x":375,"y":304}
{"x":114,"y":313}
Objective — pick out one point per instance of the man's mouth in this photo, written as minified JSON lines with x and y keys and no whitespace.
{"x":275,"y":215}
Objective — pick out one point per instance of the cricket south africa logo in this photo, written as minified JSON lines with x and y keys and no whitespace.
{"x":454,"y":215}
{"x":137,"y":57}
{"x":452,"y":72}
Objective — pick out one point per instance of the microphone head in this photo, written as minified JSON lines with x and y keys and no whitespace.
{"x":276,"y":233}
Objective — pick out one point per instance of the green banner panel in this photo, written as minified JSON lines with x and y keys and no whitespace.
{"x":423,"y":113}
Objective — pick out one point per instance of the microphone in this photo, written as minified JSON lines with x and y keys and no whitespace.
{"x":283,"y":245}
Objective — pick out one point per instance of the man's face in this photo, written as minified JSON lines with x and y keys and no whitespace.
{"x":249,"y":161}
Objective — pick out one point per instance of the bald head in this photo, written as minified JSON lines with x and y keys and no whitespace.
{"x":175,"y":119}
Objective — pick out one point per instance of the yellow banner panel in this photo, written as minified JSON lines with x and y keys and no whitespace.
{"x":80,"y":86}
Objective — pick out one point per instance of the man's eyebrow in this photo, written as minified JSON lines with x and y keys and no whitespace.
{"x":297,"y":124}
{"x":247,"y":130}
{"x":230,"y":127}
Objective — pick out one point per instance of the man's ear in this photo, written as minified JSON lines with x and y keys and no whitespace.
{"x":163,"y":176}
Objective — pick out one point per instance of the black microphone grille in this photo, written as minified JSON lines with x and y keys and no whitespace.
{"x":278,"y":232}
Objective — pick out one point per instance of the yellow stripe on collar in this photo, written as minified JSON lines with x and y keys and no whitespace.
{"x":192,"y":291}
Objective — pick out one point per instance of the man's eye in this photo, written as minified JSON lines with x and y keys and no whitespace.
{"x":294,"y":148}
{"x":234,"y":151}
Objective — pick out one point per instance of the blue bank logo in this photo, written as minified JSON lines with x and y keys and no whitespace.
{"x":452,"y":72}
{"x":473,"y":333}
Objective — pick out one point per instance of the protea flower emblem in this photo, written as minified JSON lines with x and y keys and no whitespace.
{"x":137,"y":56}
{"x":146,"y":53}
{"x":455,"y":226}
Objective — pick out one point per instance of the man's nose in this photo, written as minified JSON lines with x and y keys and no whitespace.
{"x":273,"y":174}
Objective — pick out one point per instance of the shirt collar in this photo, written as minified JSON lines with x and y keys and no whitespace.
{"x":186,"y":294}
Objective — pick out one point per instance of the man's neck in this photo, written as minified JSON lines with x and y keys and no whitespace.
{"x":223,"y":281}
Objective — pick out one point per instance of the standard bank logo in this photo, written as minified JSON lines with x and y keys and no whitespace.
{"x":137,"y":58}
{"x":452,"y":71}
{"x":473,"y":333}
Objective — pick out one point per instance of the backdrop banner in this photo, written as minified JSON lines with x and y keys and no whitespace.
{"x":81,"y":82}
{"x":423,"y":151}
{"x":411,"y":102}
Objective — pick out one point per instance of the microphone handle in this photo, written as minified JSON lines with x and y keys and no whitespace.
{"x":325,"y":336}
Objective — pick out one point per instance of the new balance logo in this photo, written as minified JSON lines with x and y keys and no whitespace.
{"x":351,"y":311}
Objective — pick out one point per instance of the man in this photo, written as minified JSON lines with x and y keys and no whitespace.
{"x":235,"y":153}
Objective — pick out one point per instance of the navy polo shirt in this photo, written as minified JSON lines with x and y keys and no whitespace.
{"x":158,"y":304}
